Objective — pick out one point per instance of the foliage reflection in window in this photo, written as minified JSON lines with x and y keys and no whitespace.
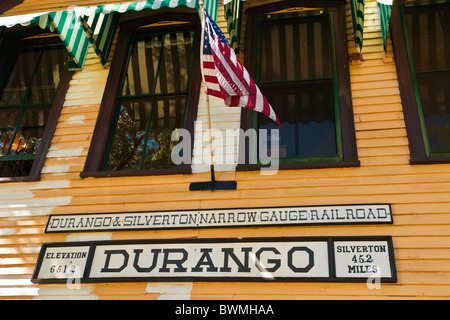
{"x":152,"y":101}
{"x":28,"y":88}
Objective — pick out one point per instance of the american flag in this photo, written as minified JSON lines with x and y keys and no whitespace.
{"x":224,"y":75}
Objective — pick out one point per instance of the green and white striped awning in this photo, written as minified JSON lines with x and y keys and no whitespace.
{"x":136,"y":6}
{"x":99,"y":29}
{"x":65,"y":24}
{"x":357,"y":6}
{"x":385,"y":7}
{"x":358,"y":21}
{"x":233,"y":12}
{"x":94,"y":24}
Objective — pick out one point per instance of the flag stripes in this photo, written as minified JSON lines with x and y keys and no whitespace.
{"x":224,"y":75}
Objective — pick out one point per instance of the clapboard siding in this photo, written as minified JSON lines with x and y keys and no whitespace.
{"x":419,"y":195}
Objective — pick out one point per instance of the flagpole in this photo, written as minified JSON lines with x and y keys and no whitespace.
{"x":211,"y":152}
{"x":213,"y":184}
{"x":213,"y":177}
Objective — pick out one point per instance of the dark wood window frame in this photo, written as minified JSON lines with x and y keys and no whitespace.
{"x":418,"y":154}
{"x":337,"y":9}
{"x":8,"y":44}
{"x":104,"y":124}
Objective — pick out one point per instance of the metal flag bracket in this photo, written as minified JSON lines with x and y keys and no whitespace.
{"x":213,"y":184}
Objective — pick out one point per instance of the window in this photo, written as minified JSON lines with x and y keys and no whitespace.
{"x":152,"y":101}
{"x":294,"y":72}
{"x":301,"y":66}
{"x":28,"y":91}
{"x":425,"y":76}
{"x":157,"y":93}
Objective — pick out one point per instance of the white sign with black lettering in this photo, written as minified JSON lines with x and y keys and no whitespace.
{"x":339,"y":214}
{"x":253,"y":259}
{"x":63,"y":262}
{"x":213,"y":260}
{"x":355,"y":260}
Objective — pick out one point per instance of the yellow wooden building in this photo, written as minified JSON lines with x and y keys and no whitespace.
{"x":364,"y":127}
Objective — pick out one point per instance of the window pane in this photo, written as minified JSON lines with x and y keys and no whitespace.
{"x":15,"y":168}
{"x":131,"y":149}
{"x":435,"y":96}
{"x":142,"y":66}
{"x":428,"y":29}
{"x":168,"y":115}
{"x":175,"y":62}
{"x":129,"y":137}
{"x":32,"y":80}
{"x":161,"y":58}
{"x":429,"y":36}
{"x":8,"y":122}
{"x":13,"y":92}
{"x":284,"y":106}
{"x":306,"y":113}
{"x":295,"y":49}
{"x":30,"y":131}
{"x":157,"y":76}
{"x":48,"y":74}
{"x":42,"y":86}
{"x":296,"y":78}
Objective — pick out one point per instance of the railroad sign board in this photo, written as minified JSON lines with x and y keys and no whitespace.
{"x":252,"y":259}
{"x":342,"y":214}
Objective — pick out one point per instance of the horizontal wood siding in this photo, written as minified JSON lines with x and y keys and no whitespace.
{"x":419,"y":194}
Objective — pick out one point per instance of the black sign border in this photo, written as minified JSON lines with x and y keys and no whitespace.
{"x":331,"y":260}
{"x":224,"y":226}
